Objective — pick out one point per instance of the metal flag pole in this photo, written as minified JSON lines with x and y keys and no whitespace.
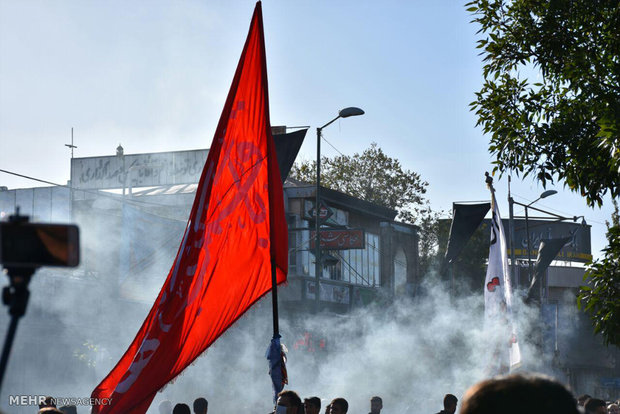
{"x":274,"y":300}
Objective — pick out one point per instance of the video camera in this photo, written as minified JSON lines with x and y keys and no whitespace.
{"x":32,"y":245}
{"x":24,"y":247}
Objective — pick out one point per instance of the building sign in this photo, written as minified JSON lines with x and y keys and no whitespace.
{"x":578,"y":249}
{"x":138,"y":170}
{"x":340,"y":239}
{"x":329,"y":215}
{"x":324,"y":212}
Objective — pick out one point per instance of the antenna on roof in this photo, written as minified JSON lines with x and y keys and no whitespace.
{"x":71,"y":145}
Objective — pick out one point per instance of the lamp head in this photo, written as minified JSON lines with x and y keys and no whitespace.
{"x":548,"y":193}
{"x":350,"y":111}
{"x":583,"y":220}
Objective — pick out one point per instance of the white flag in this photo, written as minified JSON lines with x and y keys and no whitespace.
{"x":498,"y":297}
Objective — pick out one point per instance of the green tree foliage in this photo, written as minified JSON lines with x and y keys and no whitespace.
{"x":551,"y":96}
{"x":373,"y":176}
{"x":601,"y":297}
{"x":428,"y":222}
{"x":370,"y":176}
{"x":551,"y":103}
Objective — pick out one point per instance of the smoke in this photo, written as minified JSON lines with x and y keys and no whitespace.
{"x":411,"y":352}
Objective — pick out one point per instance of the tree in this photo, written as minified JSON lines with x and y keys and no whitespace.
{"x":551,"y":103}
{"x":370,"y":176}
{"x":601,"y":297}
{"x":375,"y":177}
{"x":566,"y":123}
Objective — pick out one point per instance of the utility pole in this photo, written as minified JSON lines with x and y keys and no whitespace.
{"x":71,"y":176}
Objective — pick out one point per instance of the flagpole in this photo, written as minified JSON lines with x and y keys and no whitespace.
{"x":489,"y":181}
{"x":274,"y":300}
{"x":511,"y":229}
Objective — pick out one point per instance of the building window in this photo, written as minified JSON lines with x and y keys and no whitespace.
{"x":358,"y":267}
{"x":361,"y":267}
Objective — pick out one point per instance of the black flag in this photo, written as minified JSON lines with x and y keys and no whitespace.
{"x":467,"y":218}
{"x":287,"y":147}
{"x":548,"y":250}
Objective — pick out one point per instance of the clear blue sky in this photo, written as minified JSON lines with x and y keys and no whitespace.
{"x":153,"y":76}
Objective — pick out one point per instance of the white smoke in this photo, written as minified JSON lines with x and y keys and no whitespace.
{"x":411,"y":352}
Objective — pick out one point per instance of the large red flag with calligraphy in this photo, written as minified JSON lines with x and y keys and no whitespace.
{"x":236,"y":231}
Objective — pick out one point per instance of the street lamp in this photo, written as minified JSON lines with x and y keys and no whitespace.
{"x":545,"y":194}
{"x":557,"y":217}
{"x":511,"y":203}
{"x":318,"y":270}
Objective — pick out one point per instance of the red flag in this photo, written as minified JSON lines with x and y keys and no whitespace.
{"x":236,"y":230}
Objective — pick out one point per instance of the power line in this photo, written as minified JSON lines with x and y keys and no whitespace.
{"x":95,"y":192}
{"x":140,"y":202}
{"x":32,"y":178}
{"x":331,"y":145}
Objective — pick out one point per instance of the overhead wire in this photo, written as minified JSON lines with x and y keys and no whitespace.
{"x":115,"y":197}
{"x":147,"y":203}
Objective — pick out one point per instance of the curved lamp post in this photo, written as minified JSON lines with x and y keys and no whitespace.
{"x":545,"y":194}
{"x":343,"y":113}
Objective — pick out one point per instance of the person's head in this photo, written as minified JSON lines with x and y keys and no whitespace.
{"x":338,"y":406}
{"x":48,"y":402}
{"x":595,"y":406}
{"x":312,"y":405}
{"x":376,"y":404}
{"x":201,"y":405}
{"x":449,"y":403}
{"x":581,"y":400}
{"x":613,"y":409}
{"x":181,"y":408}
{"x":289,"y":399}
{"x":518,"y":394}
{"x":165,"y":407}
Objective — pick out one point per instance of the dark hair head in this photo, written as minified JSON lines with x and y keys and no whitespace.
{"x":592,"y":404}
{"x":48,"y":402}
{"x":200,"y":405}
{"x":376,"y":398}
{"x":313,"y":401}
{"x":449,"y":400}
{"x":292,"y":396}
{"x":518,"y":394}
{"x":181,"y":408}
{"x":342,"y":403}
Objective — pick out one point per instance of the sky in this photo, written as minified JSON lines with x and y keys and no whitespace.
{"x":154,"y":75}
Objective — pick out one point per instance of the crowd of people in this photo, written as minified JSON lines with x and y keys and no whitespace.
{"x":512,"y":394}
